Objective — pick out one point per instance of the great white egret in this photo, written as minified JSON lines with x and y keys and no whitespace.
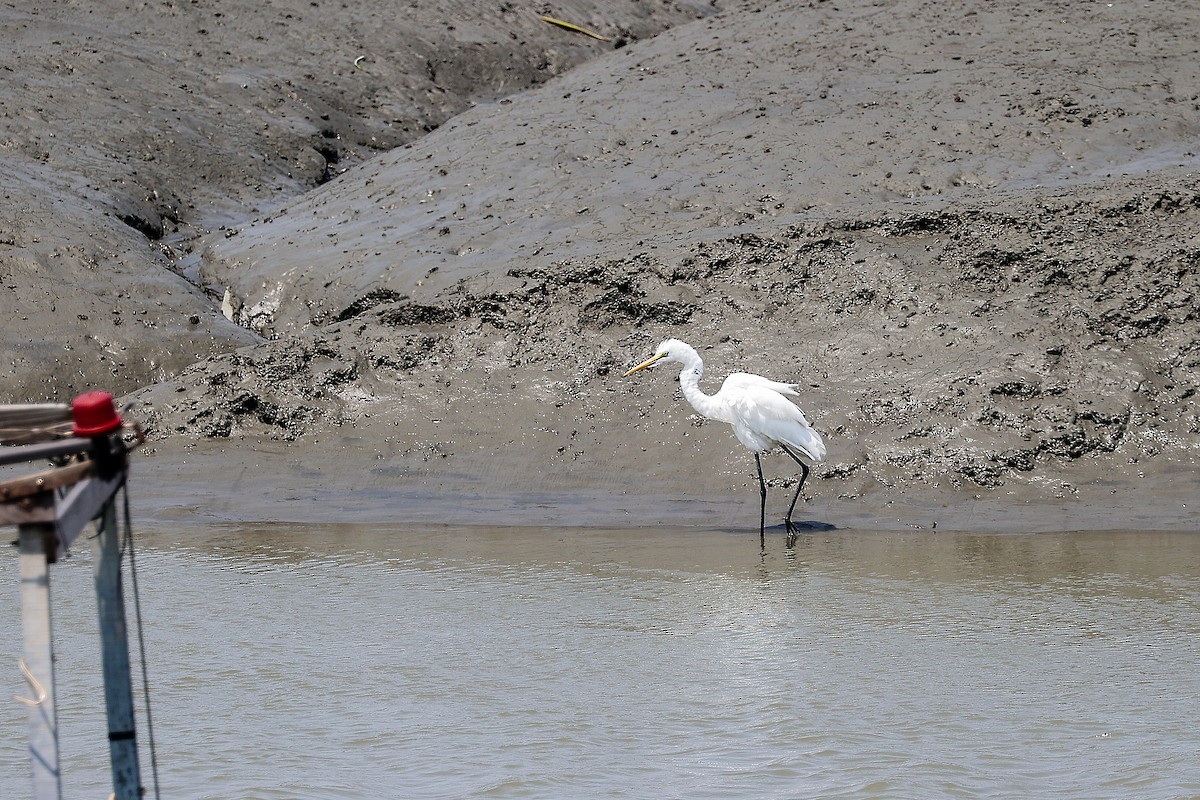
{"x":761,"y":416}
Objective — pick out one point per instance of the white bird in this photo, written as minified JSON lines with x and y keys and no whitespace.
{"x":761,"y":416}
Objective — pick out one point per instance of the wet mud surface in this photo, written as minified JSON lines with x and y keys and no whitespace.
{"x":371,"y":288}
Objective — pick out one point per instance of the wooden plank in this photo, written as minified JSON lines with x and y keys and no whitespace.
{"x":28,"y":485}
{"x":22,"y":424}
{"x":15,"y":514}
{"x":43,"y":451}
{"x":34,"y":414}
{"x":30,"y":498}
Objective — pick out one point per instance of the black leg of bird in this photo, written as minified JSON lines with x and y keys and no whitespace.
{"x":787,"y":521}
{"x":762,"y":507}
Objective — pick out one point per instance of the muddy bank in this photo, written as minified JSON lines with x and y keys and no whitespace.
{"x":973,"y":237}
{"x":742,"y":122}
{"x":131,"y":132}
{"x":936,"y":365}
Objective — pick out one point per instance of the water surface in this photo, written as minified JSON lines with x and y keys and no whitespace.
{"x":323,"y":661}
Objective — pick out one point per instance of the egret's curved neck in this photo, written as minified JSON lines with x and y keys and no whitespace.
{"x":689,"y":382}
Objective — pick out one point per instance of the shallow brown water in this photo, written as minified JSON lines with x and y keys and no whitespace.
{"x":365,"y":662}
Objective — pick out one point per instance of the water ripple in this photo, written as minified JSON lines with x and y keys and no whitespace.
{"x":306,"y":662}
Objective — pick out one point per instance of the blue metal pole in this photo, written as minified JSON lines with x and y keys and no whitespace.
{"x":114,"y":645}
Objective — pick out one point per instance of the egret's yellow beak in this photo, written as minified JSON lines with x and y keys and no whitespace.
{"x":648,"y":362}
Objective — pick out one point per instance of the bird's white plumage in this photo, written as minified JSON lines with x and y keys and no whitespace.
{"x":737,"y":380}
{"x":761,"y":416}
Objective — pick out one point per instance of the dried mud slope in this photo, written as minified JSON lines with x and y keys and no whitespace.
{"x":744,"y":121}
{"x":974,"y":236}
{"x":129,"y":131}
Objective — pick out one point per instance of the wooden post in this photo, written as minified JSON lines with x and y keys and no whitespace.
{"x":38,"y":543}
{"x":114,"y":646}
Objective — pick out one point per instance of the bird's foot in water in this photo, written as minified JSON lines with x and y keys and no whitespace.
{"x":793,"y":533}
{"x":794,"y":529}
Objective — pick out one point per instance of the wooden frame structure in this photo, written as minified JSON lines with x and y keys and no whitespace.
{"x":51,"y":508}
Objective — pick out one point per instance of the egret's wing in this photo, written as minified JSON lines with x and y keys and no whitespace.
{"x":763,"y":416}
{"x":746,"y":380}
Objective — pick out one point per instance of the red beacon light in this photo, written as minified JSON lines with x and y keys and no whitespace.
{"x":95,"y":414}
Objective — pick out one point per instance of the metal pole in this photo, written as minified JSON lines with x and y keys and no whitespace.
{"x":38,"y":543}
{"x":114,"y":645}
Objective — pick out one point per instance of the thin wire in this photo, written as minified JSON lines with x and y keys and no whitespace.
{"x":34,"y":683}
{"x":137,"y":611}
